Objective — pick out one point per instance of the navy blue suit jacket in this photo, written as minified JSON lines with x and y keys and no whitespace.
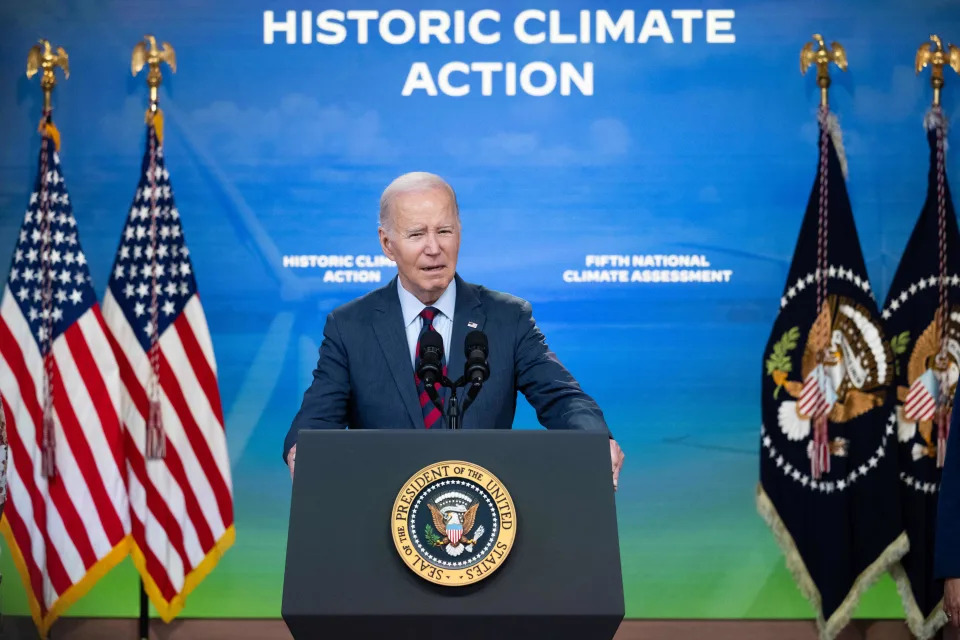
{"x":946,"y":560}
{"x":364,"y":377}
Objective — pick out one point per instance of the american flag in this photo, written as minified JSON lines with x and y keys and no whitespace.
{"x":67,"y":518}
{"x":181,"y":503}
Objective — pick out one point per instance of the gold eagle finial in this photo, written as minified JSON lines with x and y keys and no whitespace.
{"x":41,"y":57}
{"x":822,"y":57}
{"x":142,"y":54}
{"x":146,"y":53}
{"x":937,"y":57}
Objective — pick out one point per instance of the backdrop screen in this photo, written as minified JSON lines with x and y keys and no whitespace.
{"x":644,"y":192}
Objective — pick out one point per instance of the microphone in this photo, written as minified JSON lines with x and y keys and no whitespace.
{"x":476,"y":369}
{"x":431,"y":359}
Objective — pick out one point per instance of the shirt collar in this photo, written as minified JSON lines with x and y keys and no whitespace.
{"x":411,"y":306}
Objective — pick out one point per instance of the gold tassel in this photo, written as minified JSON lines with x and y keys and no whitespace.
{"x":49,"y":130}
{"x":155,"y":119}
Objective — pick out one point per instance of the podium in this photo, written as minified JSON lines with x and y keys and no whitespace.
{"x":345,"y":577}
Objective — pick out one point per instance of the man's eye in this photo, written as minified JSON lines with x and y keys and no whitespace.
{"x":416,"y":234}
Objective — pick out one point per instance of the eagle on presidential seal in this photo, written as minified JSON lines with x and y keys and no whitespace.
{"x":932,"y":375}
{"x":845,"y":369}
{"x":454,"y":514}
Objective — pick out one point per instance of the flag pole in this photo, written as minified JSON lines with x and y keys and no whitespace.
{"x":144,"y":613}
{"x":42,"y":58}
{"x":936,"y":57}
{"x":822,"y":57}
{"x":146,"y":53}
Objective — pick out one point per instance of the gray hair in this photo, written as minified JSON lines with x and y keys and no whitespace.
{"x":410,"y":182}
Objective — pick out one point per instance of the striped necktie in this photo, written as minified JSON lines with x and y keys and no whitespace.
{"x":431,"y":415}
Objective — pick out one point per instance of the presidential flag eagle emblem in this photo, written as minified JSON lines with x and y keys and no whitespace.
{"x":846,"y":367}
{"x":931,"y":381}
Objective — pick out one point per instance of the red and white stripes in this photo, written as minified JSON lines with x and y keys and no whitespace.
{"x":181,"y":505}
{"x":68,"y":530}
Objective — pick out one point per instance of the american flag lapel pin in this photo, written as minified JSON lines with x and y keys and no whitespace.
{"x":472,"y":325}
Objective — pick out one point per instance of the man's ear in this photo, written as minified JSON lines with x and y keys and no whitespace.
{"x":385,"y":244}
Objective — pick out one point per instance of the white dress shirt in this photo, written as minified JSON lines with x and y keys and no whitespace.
{"x":442,"y":323}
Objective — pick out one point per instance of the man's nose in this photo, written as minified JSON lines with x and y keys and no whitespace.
{"x":433,"y":244}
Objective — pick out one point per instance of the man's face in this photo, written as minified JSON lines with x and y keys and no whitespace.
{"x":423,"y":238}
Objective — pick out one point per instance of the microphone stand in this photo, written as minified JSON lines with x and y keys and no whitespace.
{"x":434,"y":396}
{"x":454,"y":410}
{"x":454,"y":415}
{"x":471,"y":395}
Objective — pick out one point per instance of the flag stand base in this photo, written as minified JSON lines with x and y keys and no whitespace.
{"x":144,"y":613}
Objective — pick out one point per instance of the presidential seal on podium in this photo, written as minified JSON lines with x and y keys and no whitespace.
{"x":453,"y":523}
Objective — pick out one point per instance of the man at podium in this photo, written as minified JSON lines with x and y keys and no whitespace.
{"x":365,"y":377}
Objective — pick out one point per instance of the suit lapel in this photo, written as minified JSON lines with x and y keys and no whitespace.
{"x":468,"y":315}
{"x":388,"y":325}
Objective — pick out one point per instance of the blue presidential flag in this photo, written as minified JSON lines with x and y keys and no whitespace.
{"x":828,"y":444}
{"x":922,"y":319}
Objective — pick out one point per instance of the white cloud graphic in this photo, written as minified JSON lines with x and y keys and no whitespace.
{"x":297,"y":128}
{"x":602,"y":141}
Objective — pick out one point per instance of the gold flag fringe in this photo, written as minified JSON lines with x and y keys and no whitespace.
{"x":828,"y":629}
{"x":922,"y":628}
{"x":69,"y":597}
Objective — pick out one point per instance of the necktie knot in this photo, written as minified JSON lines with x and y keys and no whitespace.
{"x":428,"y":314}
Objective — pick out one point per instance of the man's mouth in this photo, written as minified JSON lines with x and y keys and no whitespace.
{"x":433,"y":269}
